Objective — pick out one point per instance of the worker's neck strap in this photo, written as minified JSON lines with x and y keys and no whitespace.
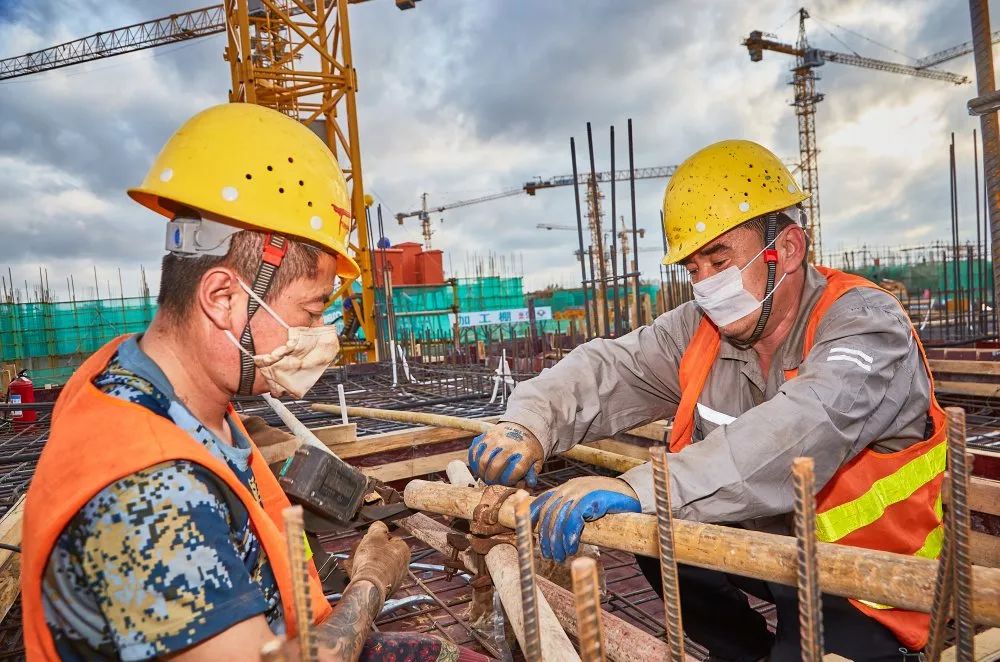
{"x":275,"y":247}
{"x":771,"y":258}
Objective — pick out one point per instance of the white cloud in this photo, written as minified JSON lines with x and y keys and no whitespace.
{"x":463,"y":98}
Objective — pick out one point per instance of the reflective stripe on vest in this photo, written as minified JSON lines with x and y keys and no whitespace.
{"x":839,"y":521}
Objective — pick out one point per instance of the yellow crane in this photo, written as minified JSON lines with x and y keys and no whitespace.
{"x":290,"y":55}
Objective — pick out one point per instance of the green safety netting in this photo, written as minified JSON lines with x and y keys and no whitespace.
{"x":51,"y":339}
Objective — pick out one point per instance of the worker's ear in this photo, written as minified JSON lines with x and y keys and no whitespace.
{"x":791,"y":245}
{"x":218,"y":293}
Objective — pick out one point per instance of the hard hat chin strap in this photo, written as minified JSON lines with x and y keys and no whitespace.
{"x":275,"y":247}
{"x":771,"y":258}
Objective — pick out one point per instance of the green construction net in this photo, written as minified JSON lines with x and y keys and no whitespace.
{"x":51,"y":339}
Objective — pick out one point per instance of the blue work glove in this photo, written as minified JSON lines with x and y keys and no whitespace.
{"x":563,"y":510}
{"x":508,"y":453}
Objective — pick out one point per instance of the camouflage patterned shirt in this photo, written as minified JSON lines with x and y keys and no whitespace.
{"x":161,"y":559}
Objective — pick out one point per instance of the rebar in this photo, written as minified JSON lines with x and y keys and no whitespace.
{"x":668,"y":563}
{"x":614,"y":239}
{"x":526,"y":569}
{"x":807,"y":576}
{"x":639,"y":321}
{"x":579,"y":229}
{"x":590,"y":624}
{"x":965,"y":627}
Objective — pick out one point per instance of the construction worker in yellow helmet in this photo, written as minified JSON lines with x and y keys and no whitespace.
{"x":153,"y":524}
{"x":774,"y":359}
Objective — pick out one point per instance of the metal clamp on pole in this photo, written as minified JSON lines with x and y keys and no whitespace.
{"x":988,"y":103}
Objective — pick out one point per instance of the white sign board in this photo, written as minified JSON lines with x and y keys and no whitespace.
{"x":512,"y":316}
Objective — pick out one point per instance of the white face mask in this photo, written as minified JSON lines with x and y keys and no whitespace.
{"x":294,"y":367}
{"x":724,"y":299}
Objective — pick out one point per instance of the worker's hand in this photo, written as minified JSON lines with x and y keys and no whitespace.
{"x":380,"y":559}
{"x":563,"y":510}
{"x":263,"y":434}
{"x":506,"y":454}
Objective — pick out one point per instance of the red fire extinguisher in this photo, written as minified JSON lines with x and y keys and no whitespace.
{"x":22,"y":391}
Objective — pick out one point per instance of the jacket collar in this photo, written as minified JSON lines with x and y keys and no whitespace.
{"x":790,"y":353}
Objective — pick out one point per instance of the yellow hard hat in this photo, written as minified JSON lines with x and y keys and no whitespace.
{"x":252,"y":167}
{"x":720,"y":187}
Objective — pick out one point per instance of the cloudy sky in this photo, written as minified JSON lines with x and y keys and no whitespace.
{"x":461,"y":98}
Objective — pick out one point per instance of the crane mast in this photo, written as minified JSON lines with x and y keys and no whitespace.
{"x":804,"y":78}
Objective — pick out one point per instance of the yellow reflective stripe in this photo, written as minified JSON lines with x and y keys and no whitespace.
{"x":931,"y":548}
{"x":875,"y":605}
{"x":837,"y":522}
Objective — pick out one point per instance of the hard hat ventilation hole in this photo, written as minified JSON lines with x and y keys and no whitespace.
{"x":291,"y":160}
{"x":281,"y":190}
{"x":229,"y":193}
{"x":748,"y":179}
{"x":301,"y":183}
{"x":309,"y":204}
{"x":249,"y":176}
{"x":316,"y":222}
{"x":167,"y":175}
{"x":269,"y":168}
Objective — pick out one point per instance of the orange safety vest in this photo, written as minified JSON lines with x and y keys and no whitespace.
{"x":885,"y":501}
{"x":78,"y":462}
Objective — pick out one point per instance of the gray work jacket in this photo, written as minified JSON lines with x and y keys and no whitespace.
{"x":863,"y":384}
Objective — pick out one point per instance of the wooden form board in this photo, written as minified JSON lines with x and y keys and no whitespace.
{"x":418,"y":466}
{"x":10,"y":562}
{"x":965,"y":367}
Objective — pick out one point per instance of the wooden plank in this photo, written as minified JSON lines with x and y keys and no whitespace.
{"x":390,"y":441}
{"x":655,"y":430}
{"x":987,"y":645}
{"x":418,"y":466}
{"x":621,"y":448}
{"x":10,"y":562}
{"x":985,"y":549}
{"x":965,"y":367}
{"x":984,"y":495}
{"x":334,"y":435}
{"x":967,"y":388}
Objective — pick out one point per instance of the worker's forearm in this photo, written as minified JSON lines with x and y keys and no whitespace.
{"x":342,"y":636}
{"x":601,"y":388}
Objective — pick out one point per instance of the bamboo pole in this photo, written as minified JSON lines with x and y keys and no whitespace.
{"x":501,"y":561}
{"x":594,"y":456}
{"x":883,"y":577}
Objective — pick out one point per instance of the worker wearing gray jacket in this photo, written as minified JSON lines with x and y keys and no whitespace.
{"x":775,"y":359}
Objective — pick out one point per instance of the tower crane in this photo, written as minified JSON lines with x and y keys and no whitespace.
{"x":804,"y":78}
{"x":291,"y":55}
{"x":530,"y":187}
